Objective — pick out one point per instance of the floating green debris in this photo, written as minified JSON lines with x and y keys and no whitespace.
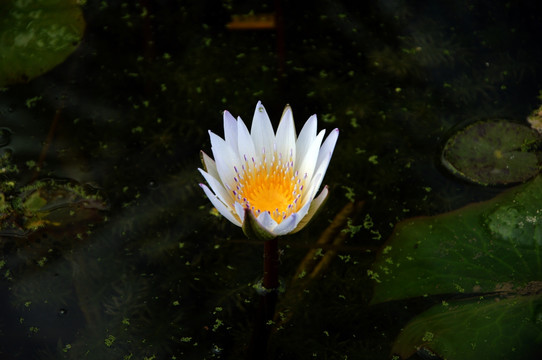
{"x":489,"y":254}
{"x":36,"y":36}
{"x":493,"y":152}
{"x":109,"y":340}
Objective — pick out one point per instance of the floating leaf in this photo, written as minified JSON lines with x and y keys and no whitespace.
{"x":493,"y":152}
{"x":35,"y":36}
{"x":477,"y":248}
{"x":491,"y":329}
{"x":491,"y":247}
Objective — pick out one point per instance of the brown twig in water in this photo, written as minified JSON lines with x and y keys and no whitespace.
{"x":47,"y":142}
{"x":314,"y":264}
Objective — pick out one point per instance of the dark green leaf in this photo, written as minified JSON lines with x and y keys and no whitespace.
{"x":490,"y":250}
{"x":36,"y":36}
{"x":482,"y":247}
{"x":493,"y":152}
{"x":491,"y":328}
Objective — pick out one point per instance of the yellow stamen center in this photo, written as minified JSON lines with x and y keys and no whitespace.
{"x":269,"y":187}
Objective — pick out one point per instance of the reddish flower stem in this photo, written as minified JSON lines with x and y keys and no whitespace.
{"x":263,"y":324}
{"x":271,"y":265}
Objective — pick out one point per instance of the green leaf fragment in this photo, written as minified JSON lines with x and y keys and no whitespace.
{"x":253,"y":229}
{"x":36,"y":36}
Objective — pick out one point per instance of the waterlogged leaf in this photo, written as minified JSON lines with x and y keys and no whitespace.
{"x":493,"y":152}
{"x":37,"y":35}
{"x":47,"y":216}
{"x":490,"y":328}
{"x":49,"y":203}
{"x":481,"y":247}
{"x":494,"y":247}
{"x":58,"y":203}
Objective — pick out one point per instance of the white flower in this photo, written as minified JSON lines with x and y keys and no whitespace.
{"x":267,"y":182}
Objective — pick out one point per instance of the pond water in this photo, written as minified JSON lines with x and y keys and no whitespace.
{"x":110,"y":249}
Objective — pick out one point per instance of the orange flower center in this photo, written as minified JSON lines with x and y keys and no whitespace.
{"x":272,"y":187}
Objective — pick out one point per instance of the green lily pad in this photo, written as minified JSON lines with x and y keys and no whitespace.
{"x":491,"y":329}
{"x":493,"y":152}
{"x":481,"y":247}
{"x":37,"y":35}
{"x":494,"y":247}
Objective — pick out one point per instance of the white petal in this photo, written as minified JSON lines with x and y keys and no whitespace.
{"x":267,"y":221}
{"x":305,"y":138}
{"x":327,"y":148}
{"x":230,"y":128}
{"x":308,"y":161}
{"x":223,"y":194}
{"x":314,"y":206}
{"x":326,"y":151}
{"x":262,"y":130}
{"x":305,"y":208}
{"x":310,"y":193}
{"x":240,"y":210}
{"x":226,"y":159}
{"x":222,"y":209}
{"x":287,"y":225}
{"x":210,"y":165}
{"x":319,"y":174}
{"x":323,"y":159}
{"x":245,"y":145}
{"x":306,"y":203}
{"x":286,"y":135}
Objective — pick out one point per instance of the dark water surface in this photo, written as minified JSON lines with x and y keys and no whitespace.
{"x":130,"y":261}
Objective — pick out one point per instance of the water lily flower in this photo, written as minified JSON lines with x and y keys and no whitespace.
{"x":266,"y":182}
